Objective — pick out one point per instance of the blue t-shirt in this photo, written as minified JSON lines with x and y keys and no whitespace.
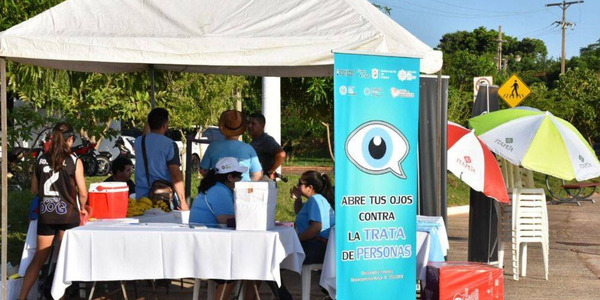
{"x":316,"y":209}
{"x":220,"y":199}
{"x":231,"y":148}
{"x":161,"y":152}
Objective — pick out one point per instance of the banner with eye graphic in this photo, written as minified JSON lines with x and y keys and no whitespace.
{"x":376,"y":121}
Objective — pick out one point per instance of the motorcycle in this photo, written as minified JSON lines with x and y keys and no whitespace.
{"x":94,"y":163}
{"x":125,"y":146}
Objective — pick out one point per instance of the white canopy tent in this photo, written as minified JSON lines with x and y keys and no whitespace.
{"x":287,"y":38}
{"x":263,"y":37}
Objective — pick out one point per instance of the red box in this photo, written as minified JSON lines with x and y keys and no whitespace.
{"x":463,"y":281}
{"x":108,"y":200}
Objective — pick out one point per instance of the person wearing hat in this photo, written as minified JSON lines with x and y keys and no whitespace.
{"x":214,"y":203}
{"x":232,"y":124}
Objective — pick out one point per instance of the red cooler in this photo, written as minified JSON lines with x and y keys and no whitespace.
{"x":463,"y":281}
{"x":108,"y":200}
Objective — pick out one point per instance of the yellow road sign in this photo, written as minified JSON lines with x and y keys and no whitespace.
{"x":513,"y":91}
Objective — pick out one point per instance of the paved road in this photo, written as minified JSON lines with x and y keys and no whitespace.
{"x":574,"y":255}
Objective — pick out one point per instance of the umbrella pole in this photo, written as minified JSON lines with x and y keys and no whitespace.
{"x":4,"y":124}
{"x":487,"y":90}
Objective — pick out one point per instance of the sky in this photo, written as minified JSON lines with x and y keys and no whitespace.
{"x":430,"y":19}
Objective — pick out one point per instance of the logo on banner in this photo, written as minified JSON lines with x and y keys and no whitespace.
{"x":375,"y":73}
{"x":377,"y":147}
{"x":404,"y":75}
{"x":347,"y":90}
{"x":401,"y":93}
{"x":468,"y":159}
{"x":363,"y":73}
{"x":344,"y":72}
{"x":367,"y":91}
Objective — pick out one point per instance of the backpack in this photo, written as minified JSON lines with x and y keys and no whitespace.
{"x":160,"y":189}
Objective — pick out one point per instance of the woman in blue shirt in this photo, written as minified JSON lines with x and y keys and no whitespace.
{"x":315,"y":216}
{"x":214,"y":204}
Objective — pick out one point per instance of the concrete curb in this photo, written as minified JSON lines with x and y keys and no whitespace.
{"x":458,"y":210}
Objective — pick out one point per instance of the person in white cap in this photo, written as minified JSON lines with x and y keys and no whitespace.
{"x":214,"y":203}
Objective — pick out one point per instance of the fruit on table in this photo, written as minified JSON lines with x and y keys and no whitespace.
{"x":137,"y":208}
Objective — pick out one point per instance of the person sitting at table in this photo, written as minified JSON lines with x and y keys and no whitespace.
{"x":315,"y":216}
{"x":57,"y":180}
{"x":214,"y":203}
{"x":122,"y":168}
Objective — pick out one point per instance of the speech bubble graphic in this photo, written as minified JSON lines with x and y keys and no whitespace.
{"x":377,"y":147}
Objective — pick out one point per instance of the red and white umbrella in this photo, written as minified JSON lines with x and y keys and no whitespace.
{"x":471,"y":161}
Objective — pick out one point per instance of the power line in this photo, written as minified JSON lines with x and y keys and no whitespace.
{"x":486,"y":10}
{"x":436,"y":11}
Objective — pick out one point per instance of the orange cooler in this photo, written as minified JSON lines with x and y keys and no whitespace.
{"x":108,"y":200}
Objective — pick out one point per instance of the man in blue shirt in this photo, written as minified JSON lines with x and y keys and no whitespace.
{"x":163,"y":158}
{"x":232,"y":124}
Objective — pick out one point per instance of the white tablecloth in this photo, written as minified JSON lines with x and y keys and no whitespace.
{"x":328,"y":276}
{"x":442,"y":234}
{"x":104,"y":252}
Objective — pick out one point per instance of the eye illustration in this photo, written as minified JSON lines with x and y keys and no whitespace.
{"x":377,"y":147}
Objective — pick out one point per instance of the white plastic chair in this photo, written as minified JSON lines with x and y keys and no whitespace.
{"x":523,"y":222}
{"x":306,"y":276}
{"x":531,"y":221}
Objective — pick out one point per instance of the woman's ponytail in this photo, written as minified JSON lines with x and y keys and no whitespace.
{"x":321,"y":183}
{"x":327,"y":191}
{"x":208,"y":181}
{"x":59,"y":149}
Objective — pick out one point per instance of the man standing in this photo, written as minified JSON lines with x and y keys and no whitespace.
{"x":232,"y":125}
{"x":121,"y":169}
{"x":162,"y":155}
{"x":270,"y":154}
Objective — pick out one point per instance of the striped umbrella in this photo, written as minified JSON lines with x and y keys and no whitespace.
{"x":538,"y":141}
{"x":471,"y":161}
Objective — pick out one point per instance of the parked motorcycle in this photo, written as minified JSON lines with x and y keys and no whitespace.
{"x":125,"y":146}
{"x":94,"y":163}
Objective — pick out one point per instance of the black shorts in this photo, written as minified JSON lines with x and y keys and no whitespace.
{"x":52,"y":229}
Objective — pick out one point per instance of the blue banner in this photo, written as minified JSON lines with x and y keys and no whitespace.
{"x":376,"y":114}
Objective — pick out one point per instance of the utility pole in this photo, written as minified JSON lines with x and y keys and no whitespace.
{"x":499,"y":54}
{"x":563,"y":24}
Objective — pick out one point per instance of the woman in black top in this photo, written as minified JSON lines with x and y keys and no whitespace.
{"x":57,"y":180}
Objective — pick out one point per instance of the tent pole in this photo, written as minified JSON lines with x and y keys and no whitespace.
{"x":3,"y":108}
{"x":153,"y":101}
{"x":271,"y":107}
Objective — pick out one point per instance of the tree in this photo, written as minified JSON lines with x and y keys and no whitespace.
{"x":589,"y":57}
{"x":576,"y":99}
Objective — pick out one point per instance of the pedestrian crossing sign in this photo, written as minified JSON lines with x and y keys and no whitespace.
{"x":513,"y":91}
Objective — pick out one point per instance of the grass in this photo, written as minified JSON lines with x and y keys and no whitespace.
{"x":308,"y":161}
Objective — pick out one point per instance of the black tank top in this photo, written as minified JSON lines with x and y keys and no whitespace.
{"x":58,"y":195}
